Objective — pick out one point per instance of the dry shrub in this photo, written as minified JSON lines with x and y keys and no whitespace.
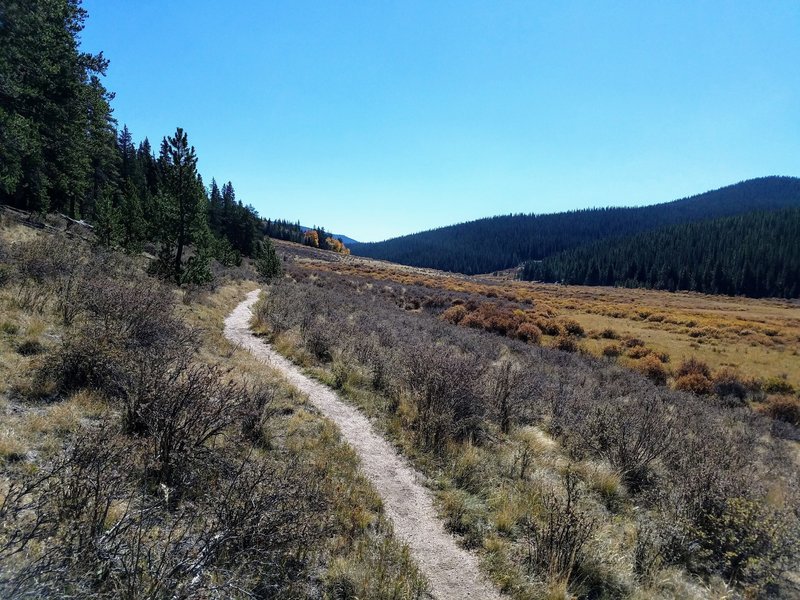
{"x":629,"y":433}
{"x":694,"y":383}
{"x":748,"y":542}
{"x":557,"y":540}
{"x":51,"y":267}
{"x":612,"y":350}
{"x":778,"y":385}
{"x":609,"y":334}
{"x":572,"y":327}
{"x":95,"y":531}
{"x":652,"y":368}
{"x":445,"y":389}
{"x":662,"y":356}
{"x":693,"y":366}
{"x":716,"y":520}
{"x":549,"y":327}
{"x":507,"y":387}
{"x":639,"y":352}
{"x":493,"y":318}
{"x":528,"y":332}
{"x":632,"y":342}
{"x":30,"y":347}
{"x":726,"y":383}
{"x":782,"y":408}
{"x":455,"y":314}
{"x":566,"y":343}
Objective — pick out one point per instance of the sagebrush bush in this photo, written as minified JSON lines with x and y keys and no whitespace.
{"x":556,"y":542}
{"x":455,"y":314}
{"x":566,"y":343}
{"x":639,"y":352}
{"x":528,"y":332}
{"x":694,"y":383}
{"x":778,"y":385}
{"x":783,"y":408}
{"x":726,"y":383}
{"x":693,"y":366}
{"x":30,"y":347}
{"x":652,"y":368}
{"x":572,"y":327}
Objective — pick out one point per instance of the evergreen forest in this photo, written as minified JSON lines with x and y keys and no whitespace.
{"x":755,"y":254}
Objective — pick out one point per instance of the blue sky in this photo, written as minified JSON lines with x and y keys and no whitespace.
{"x":376,"y":119}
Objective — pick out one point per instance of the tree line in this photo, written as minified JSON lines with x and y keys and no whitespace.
{"x":755,"y":254}
{"x":316,"y":237}
{"x":506,"y":241}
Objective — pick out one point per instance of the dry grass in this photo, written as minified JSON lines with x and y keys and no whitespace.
{"x":33,"y":434}
{"x":757,"y":337}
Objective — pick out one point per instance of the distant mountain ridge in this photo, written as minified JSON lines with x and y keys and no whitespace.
{"x":502,"y":242}
{"x":754,"y":254}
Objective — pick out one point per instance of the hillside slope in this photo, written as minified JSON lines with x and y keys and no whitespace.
{"x":505,"y":241}
{"x":755,"y":254}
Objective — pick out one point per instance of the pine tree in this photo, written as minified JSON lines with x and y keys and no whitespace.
{"x":107,"y":221}
{"x":183,"y":218}
{"x":268,"y":264}
{"x":132,"y":223}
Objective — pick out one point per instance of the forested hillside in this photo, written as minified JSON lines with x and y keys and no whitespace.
{"x":756,"y":255}
{"x":505,"y":241}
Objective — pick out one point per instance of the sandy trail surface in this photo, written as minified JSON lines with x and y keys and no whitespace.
{"x":453,"y":572}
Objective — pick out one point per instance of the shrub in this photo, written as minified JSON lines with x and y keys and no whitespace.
{"x":609,"y":334}
{"x":629,"y":433}
{"x":693,"y":366}
{"x":653,"y":369}
{"x":572,"y":327}
{"x":506,"y":389}
{"x":726,"y":383}
{"x":444,"y":387}
{"x":528,"y":332}
{"x":662,"y":356}
{"x":639,"y":352}
{"x":556,"y":544}
{"x":778,"y":385}
{"x":455,"y":314}
{"x":632,"y":342}
{"x":746,"y":541}
{"x":30,"y":348}
{"x":549,"y":327}
{"x":694,"y":383}
{"x":612,"y":350}
{"x":9,"y":328}
{"x":782,"y":408}
{"x":566,"y":344}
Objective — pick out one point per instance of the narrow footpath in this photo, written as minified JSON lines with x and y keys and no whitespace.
{"x":452,"y":572}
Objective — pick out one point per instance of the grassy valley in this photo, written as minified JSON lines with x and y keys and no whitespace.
{"x":199,"y":401}
{"x":569,"y":474}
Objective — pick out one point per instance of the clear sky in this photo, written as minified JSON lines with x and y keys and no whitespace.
{"x":376,"y":118}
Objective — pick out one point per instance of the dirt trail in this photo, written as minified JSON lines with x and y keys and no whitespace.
{"x":452,"y":571}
